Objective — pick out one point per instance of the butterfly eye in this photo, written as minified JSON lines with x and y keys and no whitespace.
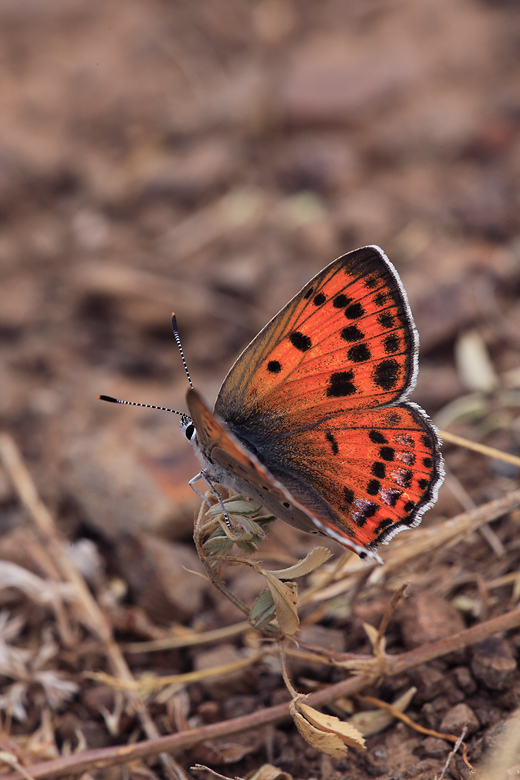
{"x":189,"y":432}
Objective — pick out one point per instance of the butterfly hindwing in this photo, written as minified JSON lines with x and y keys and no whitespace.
{"x":239,"y":469}
{"x":377,"y":470}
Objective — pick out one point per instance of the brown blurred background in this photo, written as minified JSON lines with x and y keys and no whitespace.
{"x":209,"y":158}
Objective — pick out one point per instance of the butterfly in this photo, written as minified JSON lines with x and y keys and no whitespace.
{"x":312,"y":419}
{"x":313,"y":422}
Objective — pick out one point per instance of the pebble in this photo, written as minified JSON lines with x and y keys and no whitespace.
{"x":457,"y":718}
{"x":426,"y":617}
{"x":494,"y":663}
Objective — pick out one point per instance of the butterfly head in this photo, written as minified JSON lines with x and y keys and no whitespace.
{"x":188,"y":428}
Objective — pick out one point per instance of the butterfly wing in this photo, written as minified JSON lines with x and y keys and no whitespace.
{"x":365,"y":475}
{"x":319,"y":398}
{"x":238,"y":468}
{"x":346,"y":341}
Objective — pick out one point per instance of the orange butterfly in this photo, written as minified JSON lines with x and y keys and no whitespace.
{"x":312,"y":419}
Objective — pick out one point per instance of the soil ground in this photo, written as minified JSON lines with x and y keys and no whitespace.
{"x":210,"y":158}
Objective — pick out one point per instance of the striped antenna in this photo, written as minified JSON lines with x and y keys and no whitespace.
{"x":134,"y":403}
{"x":178,"y":341}
{"x":152,"y":406}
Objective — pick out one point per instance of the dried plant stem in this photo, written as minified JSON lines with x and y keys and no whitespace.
{"x":176,"y":743}
{"x":458,"y":743}
{"x":188,"y":640}
{"x":491,"y":452}
{"x":93,"y":617}
{"x":149,"y":684}
{"x":285,"y":672}
{"x":397,"y":597}
{"x":210,"y":569}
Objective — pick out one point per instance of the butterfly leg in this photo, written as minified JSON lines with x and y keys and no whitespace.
{"x":207,"y":479}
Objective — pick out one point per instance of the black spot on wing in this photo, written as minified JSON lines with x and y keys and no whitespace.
{"x":340,"y":385}
{"x":274,"y":366}
{"x":354,"y":311}
{"x":391,"y":344}
{"x":333,"y":443}
{"x":373,"y":487}
{"x":379,"y":469}
{"x":386,"y":374}
{"x":352,"y":333}
{"x":300,"y":341}
{"x":348,"y":495}
{"x":341,"y":301}
{"x":383,"y":525}
{"x":359,"y":353}
{"x":386,"y":320}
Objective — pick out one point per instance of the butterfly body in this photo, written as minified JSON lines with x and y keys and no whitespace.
{"x":312,"y":419}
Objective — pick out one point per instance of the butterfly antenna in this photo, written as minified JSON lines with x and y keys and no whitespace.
{"x":178,"y":341}
{"x":134,"y":403}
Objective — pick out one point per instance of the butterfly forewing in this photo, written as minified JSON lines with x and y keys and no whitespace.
{"x":346,"y":341}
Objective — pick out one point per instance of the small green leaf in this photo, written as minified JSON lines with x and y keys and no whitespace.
{"x":262,"y":611}
{"x":218,"y":544}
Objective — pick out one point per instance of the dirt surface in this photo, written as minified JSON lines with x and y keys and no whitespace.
{"x":210,"y":158}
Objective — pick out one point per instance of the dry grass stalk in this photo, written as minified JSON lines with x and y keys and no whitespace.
{"x":93,"y":617}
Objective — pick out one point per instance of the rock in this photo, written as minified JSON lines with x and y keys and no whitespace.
{"x":430,"y":682}
{"x":457,"y":718}
{"x":425,"y":618}
{"x":494,"y":663}
{"x":435,"y":748}
{"x":158,"y":574}
{"x":464,"y":680}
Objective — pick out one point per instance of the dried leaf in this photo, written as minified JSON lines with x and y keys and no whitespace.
{"x":474,"y":364}
{"x":326,"y":733}
{"x":285,"y":597}
{"x":345,"y":730}
{"x":324,"y":742}
{"x":373,"y":634}
{"x":315,"y":558}
{"x":374,"y":721}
